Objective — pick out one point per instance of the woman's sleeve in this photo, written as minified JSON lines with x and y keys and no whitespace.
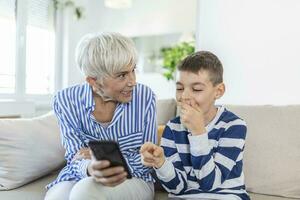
{"x":70,"y":135}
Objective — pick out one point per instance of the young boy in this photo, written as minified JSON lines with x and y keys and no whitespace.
{"x":201,"y":153}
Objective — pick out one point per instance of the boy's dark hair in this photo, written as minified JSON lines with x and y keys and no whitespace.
{"x":203,"y":60}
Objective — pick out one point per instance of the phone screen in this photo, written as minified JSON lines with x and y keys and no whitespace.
{"x":109,"y":150}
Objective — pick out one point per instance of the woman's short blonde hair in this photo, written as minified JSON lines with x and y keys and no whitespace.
{"x":104,"y":54}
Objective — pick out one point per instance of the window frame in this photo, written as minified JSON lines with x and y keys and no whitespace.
{"x":19,"y":95}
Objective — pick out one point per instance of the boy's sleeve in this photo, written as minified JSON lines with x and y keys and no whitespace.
{"x":70,"y":137}
{"x":213,"y":168}
{"x":171,"y":174}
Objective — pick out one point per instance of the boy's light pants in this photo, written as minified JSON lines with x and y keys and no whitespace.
{"x":88,"y":189}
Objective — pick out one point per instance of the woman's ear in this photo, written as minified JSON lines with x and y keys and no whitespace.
{"x":220,"y":90}
{"x":91,"y":81}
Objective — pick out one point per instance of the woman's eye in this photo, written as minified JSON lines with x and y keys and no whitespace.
{"x":179,"y":89}
{"x":121,"y":76}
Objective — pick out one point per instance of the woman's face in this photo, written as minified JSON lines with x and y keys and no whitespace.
{"x":118,"y":87}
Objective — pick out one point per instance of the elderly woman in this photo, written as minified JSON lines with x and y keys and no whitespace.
{"x":109,"y":106}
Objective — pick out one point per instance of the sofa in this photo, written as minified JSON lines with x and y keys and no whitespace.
{"x":31,"y":154}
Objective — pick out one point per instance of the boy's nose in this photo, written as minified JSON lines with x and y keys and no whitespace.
{"x":185,"y":95}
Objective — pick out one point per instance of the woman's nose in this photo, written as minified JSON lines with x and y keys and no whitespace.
{"x":131,"y":79}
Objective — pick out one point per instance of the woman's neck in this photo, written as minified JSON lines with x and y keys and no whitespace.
{"x":104,"y":110}
{"x":101,"y":103}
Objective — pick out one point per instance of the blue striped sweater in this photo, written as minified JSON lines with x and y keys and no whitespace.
{"x":133,"y":124}
{"x":206,"y":166}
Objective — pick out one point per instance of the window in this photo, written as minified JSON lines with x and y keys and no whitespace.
{"x":7,"y":47}
{"x":27,"y":48}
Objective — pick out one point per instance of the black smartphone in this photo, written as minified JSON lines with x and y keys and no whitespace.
{"x":109,"y":150}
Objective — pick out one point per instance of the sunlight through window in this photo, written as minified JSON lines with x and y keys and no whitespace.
{"x":39,"y":61}
{"x":27,"y":65}
{"x":7,"y":47}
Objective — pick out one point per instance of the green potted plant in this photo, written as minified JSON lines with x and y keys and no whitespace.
{"x":173,"y":55}
{"x":62,"y":4}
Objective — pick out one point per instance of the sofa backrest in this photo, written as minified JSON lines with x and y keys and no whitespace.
{"x":166,"y":110}
{"x":272,"y":152}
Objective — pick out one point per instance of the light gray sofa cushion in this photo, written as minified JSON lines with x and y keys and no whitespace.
{"x":32,"y":191}
{"x":36,"y":191}
{"x":29,"y":149}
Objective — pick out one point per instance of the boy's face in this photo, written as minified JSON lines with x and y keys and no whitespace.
{"x":197,"y":87}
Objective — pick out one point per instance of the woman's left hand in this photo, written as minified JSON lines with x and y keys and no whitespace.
{"x":83,"y":153}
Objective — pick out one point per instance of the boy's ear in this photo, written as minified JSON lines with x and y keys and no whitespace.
{"x":220,"y":90}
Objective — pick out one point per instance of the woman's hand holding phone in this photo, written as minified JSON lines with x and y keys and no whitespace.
{"x":102,"y":173}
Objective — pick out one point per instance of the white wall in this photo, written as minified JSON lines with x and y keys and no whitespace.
{"x":147,"y":17}
{"x":161,"y":87}
{"x":259,"y":45}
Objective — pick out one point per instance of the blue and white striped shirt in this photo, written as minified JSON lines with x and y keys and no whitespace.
{"x":133,"y":124}
{"x":205,"y":166}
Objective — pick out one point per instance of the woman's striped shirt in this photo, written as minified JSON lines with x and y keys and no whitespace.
{"x":133,"y":124}
{"x":207,"y":166}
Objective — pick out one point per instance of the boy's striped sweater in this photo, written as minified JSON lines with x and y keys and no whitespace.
{"x":205,"y":166}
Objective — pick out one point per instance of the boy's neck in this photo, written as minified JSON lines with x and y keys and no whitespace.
{"x":210,"y":115}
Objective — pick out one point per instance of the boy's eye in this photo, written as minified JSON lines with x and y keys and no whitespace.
{"x":197,"y":90}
